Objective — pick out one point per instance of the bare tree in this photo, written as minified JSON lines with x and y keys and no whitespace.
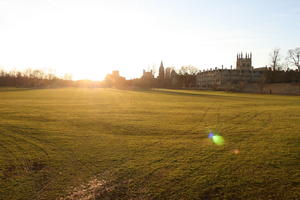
{"x":187,"y":75}
{"x":38,"y":73}
{"x":152,"y":68}
{"x":275,"y":59}
{"x":68,"y":77}
{"x":293,"y":57}
{"x":188,"y":70}
{"x":286,"y":65}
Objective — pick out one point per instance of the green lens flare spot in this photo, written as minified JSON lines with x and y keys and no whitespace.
{"x":218,"y":140}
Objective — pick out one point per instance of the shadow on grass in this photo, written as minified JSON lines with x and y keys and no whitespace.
{"x":5,"y":89}
{"x":206,"y":95}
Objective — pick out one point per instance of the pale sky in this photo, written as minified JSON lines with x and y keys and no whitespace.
{"x":91,"y":38}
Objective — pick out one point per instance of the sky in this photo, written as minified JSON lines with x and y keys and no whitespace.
{"x":90,"y":38}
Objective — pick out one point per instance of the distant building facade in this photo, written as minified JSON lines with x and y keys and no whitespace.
{"x":168,"y":73}
{"x":148,"y":75}
{"x":244,"y":72}
{"x":114,"y":79}
{"x":167,"y":77}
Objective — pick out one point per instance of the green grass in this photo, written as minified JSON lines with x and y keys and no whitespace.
{"x":149,"y":144}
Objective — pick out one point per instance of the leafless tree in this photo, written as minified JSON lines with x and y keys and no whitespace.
{"x":38,"y":74}
{"x":152,"y":68}
{"x":293,"y":57}
{"x":68,"y":77}
{"x":275,"y":59}
{"x":187,"y":75}
{"x":188,"y":70}
{"x":286,"y":65}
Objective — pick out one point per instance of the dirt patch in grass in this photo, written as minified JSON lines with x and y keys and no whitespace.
{"x":97,"y":189}
{"x":30,"y":166}
{"x":9,"y":171}
{"x":87,"y":191}
{"x":36,"y":165}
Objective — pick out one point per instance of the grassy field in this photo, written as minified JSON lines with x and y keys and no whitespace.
{"x":148,"y":144}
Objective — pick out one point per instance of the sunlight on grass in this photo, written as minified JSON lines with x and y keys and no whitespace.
{"x":150,"y":143}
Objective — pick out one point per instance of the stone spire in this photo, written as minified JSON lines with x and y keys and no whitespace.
{"x":161,"y":71}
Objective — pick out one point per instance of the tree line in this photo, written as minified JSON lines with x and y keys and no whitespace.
{"x":30,"y":78}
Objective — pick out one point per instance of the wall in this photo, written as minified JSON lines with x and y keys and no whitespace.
{"x":271,"y":88}
{"x":282,"y":88}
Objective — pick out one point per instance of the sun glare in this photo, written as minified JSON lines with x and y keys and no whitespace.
{"x":89,"y":39}
{"x":109,"y":36}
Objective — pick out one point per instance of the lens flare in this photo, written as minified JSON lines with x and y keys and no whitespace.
{"x":236,"y":151}
{"x":210,"y":135}
{"x":216,"y":138}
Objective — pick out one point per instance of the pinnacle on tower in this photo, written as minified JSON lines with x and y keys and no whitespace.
{"x":161,"y":64}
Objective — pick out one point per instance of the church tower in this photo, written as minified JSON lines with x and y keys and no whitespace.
{"x":161,"y":75}
{"x":244,"y":63}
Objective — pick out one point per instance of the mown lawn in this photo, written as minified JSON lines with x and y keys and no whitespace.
{"x":150,"y":144}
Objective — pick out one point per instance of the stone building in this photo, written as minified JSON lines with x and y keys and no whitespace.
{"x":167,"y":77}
{"x":148,"y":75}
{"x":244,"y":63}
{"x":244,"y":73}
{"x":114,"y":79}
{"x":161,"y":75}
{"x":174,"y":78}
{"x":168,"y":73}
